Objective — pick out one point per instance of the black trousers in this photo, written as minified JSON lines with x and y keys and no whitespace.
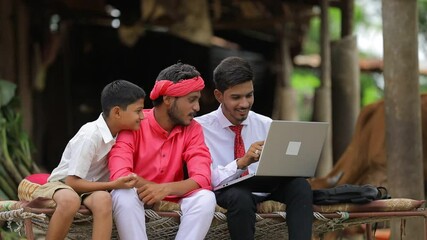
{"x":241,"y":208}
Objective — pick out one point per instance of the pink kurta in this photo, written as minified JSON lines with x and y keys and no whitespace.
{"x":159,"y":157}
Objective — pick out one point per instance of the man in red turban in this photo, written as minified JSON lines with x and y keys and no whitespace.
{"x":167,"y":140}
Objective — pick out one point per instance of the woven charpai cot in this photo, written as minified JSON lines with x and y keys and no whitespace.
{"x":162,"y":221}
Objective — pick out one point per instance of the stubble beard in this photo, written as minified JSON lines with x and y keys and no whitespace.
{"x":174,"y":117}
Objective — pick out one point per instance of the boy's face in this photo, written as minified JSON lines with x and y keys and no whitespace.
{"x":132,"y":116}
{"x":236,"y":101}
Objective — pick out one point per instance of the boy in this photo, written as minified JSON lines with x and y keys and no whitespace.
{"x":82,"y":176}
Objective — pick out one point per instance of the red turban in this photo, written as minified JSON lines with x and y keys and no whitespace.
{"x":178,"y":89}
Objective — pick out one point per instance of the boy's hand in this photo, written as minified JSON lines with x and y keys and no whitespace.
{"x":126,"y":181}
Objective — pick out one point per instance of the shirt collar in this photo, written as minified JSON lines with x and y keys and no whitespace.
{"x":104,"y":130}
{"x":149,"y":115}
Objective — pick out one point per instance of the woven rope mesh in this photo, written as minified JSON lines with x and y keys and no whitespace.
{"x":165,"y":227}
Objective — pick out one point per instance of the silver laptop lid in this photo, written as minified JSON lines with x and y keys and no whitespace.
{"x":292,"y":148}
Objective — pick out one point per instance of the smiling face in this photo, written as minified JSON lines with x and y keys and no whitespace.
{"x":131,"y":117}
{"x":236,"y":101}
{"x":183,"y":109}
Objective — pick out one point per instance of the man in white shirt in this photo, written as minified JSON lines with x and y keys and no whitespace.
{"x":233,"y":79}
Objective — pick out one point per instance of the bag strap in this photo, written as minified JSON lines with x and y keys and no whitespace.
{"x":383,"y":193}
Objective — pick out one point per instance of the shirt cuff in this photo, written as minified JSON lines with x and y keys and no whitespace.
{"x":235,"y":166}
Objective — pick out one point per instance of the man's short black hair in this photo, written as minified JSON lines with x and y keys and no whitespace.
{"x":232,"y":71}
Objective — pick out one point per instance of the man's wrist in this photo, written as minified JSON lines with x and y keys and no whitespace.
{"x":239,"y":164}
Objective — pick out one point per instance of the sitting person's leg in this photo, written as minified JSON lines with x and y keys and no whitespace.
{"x":100,"y":205}
{"x":197,"y":213}
{"x":129,"y":214}
{"x":67,"y":204}
{"x":241,"y":209}
{"x":296,"y":193}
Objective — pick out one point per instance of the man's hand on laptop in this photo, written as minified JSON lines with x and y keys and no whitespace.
{"x":251,"y":156}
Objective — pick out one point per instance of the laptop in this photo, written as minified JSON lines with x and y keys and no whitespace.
{"x":291,"y":149}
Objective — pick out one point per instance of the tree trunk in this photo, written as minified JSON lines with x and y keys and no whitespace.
{"x":402,"y":108}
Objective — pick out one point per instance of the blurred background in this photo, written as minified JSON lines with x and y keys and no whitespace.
{"x":314,"y":60}
{"x":59,"y":54}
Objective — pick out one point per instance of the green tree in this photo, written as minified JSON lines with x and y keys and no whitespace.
{"x":369,"y":19}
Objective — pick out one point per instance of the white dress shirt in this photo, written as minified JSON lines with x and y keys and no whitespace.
{"x":220,"y":140}
{"x":85,"y":155}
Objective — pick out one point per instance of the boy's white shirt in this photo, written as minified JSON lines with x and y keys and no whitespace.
{"x":86,"y":153}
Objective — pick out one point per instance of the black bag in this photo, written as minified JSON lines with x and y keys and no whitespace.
{"x":349,"y":193}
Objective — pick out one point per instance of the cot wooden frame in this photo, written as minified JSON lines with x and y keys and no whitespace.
{"x":164,"y":224}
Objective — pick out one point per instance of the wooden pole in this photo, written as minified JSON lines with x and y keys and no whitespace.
{"x":14,"y":54}
{"x":347,"y":13}
{"x":345,"y":74}
{"x":24,"y":76}
{"x":402,"y":107}
{"x":322,"y":100}
{"x":7,"y":42}
{"x":288,"y":100}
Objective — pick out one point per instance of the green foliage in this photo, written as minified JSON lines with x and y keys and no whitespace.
{"x":422,"y":16}
{"x":11,"y":136}
{"x":15,"y":145}
{"x":360,"y":16}
{"x":423,"y":84}
{"x":334,"y":23}
{"x":422,"y":27}
{"x":371,"y":84}
{"x":370,"y":90}
{"x":7,"y":234}
{"x":363,"y":19}
{"x":304,"y":82}
{"x":311,"y":43}
{"x":7,"y":92}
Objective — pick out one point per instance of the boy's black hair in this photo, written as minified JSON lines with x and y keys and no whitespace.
{"x":175,"y":73}
{"x":120,"y":93}
{"x":232,"y":71}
